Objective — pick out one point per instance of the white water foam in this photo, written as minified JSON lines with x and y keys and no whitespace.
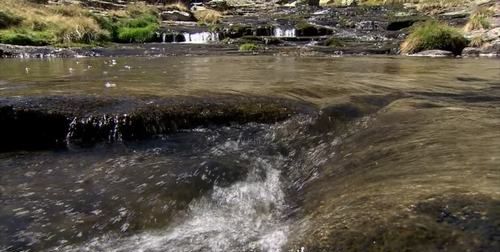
{"x":246,"y":216}
{"x":201,"y":37}
{"x":284,"y":33}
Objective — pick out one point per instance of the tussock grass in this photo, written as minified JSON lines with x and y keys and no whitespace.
{"x":479,"y":20}
{"x":434,"y":35}
{"x":25,"y":23}
{"x":138,"y":23}
{"x":477,"y":41}
{"x":180,"y":6}
{"x":48,"y":25}
{"x":248,"y":47}
{"x":208,"y":16}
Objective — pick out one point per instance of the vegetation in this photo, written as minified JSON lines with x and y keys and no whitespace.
{"x":477,"y":41}
{"x":180,"y":6}
{"x":333,"y":42}
{"x":208,"y":16}
{"x":138,"y":23}
{"x":479,"y":20}
{"x":248,"y":47}
{"x":8,"y":19}
{"x":25,"y":23}
{"x":434,"y":35}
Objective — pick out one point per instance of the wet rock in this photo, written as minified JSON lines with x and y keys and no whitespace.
{"x":433,"y":53}
{"x":308,"y":30}
{"x":471,"y":52}
{"x":493,"y":34}
{"x":403,"y":22}
{"x":85,"y":121}
{"x":12,"y":51}
{"x":175,"y":15}
{"x":491,"y":49}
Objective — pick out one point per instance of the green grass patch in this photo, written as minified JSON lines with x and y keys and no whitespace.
{"x":248,"y":47}
{"x":26,"y":37}
{"x":434,"y":35}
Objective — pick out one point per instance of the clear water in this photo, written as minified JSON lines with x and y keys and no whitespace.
{"x":297,"y":184}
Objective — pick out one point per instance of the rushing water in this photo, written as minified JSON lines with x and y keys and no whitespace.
{"x":395,"y":153}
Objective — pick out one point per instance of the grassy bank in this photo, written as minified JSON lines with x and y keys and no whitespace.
{"x":27,"y":23}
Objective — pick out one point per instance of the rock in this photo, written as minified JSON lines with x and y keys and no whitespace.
{"x":433,"y":53}
{"x":471,"y":52}
{"x":175,"y":15}
{"x":313,"y":2}
{"x":403,"y":22}
{"x":492,"y":34}
{"x":491,"y":49}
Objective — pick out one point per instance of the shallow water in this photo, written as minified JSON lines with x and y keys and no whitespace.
{"x":402,"y":153}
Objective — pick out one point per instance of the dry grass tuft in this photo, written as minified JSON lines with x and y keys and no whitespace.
{"x":478,"y":20}
{"x":208,"y":16}
{"x":180,"y":6}
{"x":52,"y":25}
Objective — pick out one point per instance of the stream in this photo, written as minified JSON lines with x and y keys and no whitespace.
{"x":371,"y":154}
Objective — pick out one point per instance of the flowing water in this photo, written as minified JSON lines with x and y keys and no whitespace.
{"x":393,"y":153}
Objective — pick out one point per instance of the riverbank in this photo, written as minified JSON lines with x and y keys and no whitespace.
{"x":282,"y":29}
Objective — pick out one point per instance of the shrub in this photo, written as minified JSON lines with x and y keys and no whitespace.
{"x":8,"y":19}
{"x":434,"y":35}
{"x":208,"y":16}
{"x":248,"y":47}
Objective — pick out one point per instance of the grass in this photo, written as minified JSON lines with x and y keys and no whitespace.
{"x":26,"y":37}
{"x":478,"y":20}
{"x":25,"y":23}
{"x":477,"y":41}
{"x":38,"y":24}
{"x":208,"y":16}
{"x":8,"y":19}
{"x":434,"y":35}
{"x":333,"y":42}
{"x":248,"y":47}
{"x":180,"y":6}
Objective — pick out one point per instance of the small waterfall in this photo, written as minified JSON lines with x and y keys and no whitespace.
{"x":201,"y":37}
{"x":284,"y":32}
{"x":163,"y":37}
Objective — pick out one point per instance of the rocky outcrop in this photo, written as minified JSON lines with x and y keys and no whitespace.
{"x":88,"y":120}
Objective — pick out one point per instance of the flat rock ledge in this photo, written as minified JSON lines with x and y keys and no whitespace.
{"x":54,"y":122}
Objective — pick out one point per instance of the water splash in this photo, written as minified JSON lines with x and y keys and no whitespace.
{"x":284,"y":32}
{"x":245,"y":216}
{"x":201,"y":37}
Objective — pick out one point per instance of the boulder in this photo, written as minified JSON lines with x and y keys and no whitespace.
{"x":493,"y":34}
{"x":471,"y":52}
